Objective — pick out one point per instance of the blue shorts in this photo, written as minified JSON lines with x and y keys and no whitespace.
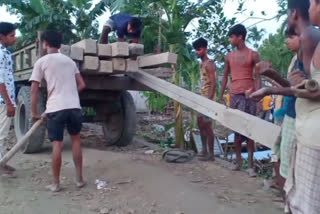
{"x":57,"y":121}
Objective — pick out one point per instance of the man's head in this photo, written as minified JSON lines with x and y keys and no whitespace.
{"x":292,"y":40}
{"x":134,"y":26}
{"x":237,"y":34}
{"x":314,"y":12}
{"x":7,"y":33}
{"x":297,"y":10}
{"x":51,"y":39}
{"x":200,"y":46}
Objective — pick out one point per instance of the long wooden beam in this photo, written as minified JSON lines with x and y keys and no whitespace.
{"x":250,"y":126}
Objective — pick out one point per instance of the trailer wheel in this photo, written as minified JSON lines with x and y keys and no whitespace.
{"x":120,"y":127}
{"x":23,"y":121}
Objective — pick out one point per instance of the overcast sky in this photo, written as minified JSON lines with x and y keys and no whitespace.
{"x":269,"y":6}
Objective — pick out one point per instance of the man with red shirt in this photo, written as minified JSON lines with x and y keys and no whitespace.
{"x":240,"y":64}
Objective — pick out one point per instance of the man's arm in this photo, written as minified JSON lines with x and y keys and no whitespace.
{"x":104,"y":35}
{"x":264,"y":68}
{"x":34,"y":100}
{"x":308,"y":46}
{"x":80,"y":82}
{"x":225,"y":78}
{"x":258,"y":95}
{"x":4,"y":94}
{"x":256,"y":60}
{"x":211,"y":71}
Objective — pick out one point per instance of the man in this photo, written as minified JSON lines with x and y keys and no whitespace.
{"x":240,"y":64}
{"x":63,"y":106}
{"x":7,"y":90}
{"x":266,"y":108}
{"x":208,"y":90}
{"x":125,"y":26}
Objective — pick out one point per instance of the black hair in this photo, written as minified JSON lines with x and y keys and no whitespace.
{"x":290,"y":32}
{"x":53,"y":38}
{"x":135,"y":23}
{"x":238,"y":30}
{"x":302,"y":6}
{"x":6,"y":28}
{"x":200,"y":43}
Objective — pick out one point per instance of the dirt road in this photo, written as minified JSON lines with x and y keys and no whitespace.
{"x":137,"y":183}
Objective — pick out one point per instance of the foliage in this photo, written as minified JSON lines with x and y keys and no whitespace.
{"x":75,"y":18}
{"x":156,"y":101}
{"x":255,"y":35}
{"x":274,"y":50}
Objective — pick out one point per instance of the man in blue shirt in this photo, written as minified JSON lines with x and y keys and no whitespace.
{"x":125,"y":25}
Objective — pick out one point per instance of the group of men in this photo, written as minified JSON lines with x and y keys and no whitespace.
{"x":299,"y":150}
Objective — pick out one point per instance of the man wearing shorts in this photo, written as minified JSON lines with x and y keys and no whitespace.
{"x":240,"y":63}
{"x":208,"y":90}
{"x":124,"y":25}
{"x":64,"y":82}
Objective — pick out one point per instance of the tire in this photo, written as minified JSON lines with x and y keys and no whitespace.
{"x":23,"y":121}
{"x":119,"y":127}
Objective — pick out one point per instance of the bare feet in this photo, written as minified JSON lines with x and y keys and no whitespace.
{"x":80,"y":184}
{"x":7,"y":173}
{"x":202,"y":154}
{"x":235,"y":167}
{"x":252,"y":173}
{"x":206,"y":158}
{"x":53,"y":187}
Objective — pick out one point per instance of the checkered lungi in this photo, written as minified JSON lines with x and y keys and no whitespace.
{"x":304,"y":198}
{"x":286,"y":145}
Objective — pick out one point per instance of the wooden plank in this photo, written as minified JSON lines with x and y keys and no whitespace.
{"x":89,"y":46}
{"x":65,"y":50}
{"x":157,"y":60}
{"x":250,"y":126}
{"x":160,"y":72}
{"x":90,"y":64}
{"x":120,"y":49}
{"x":33,"y":56}
{"x":105,"y":66}
{"x":77,"y":53}
{"x":132,"y":65}
{"x":119,"y":64}
{"x":104,"y":51}
{"x":136,"y":49}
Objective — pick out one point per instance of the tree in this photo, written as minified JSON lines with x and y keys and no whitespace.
{"x":274,"y":50}
{"x":256,"y":35}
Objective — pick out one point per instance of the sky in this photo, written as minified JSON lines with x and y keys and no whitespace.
{"x":269,"y":6}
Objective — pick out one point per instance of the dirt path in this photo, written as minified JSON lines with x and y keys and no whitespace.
{"x":137,"y":183}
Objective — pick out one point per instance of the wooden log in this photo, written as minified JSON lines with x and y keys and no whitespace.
{"x":90,"y":64}
{"x":136,"y":49}
{"x":272,"y":74}
{"x":120,"y":49}
{"x":132,"y":65}
{"x":105,"y":66}
{"x":312,"y":85}
{"x":261,"y":131}
{"x":119,"y":64}
{"x":65,"y":50}
{"x":160,"y":72}
{"x":104,"y":51}
{"x":89,"y":46}
{"x":157,"y":60}
{"x":77,"y":53}
{"x":16,"y":148}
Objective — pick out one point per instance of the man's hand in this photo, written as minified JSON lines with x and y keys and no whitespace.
{"x":263,"y":66}
{"x":296,"y":77}
{"x":258,"y":95}
{"x":35,"y":117}
{"x":11,"y":110}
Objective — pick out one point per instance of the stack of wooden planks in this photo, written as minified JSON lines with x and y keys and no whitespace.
{"x":94,"y":58}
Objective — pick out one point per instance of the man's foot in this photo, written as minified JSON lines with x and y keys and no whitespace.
{"x":6,"y":173}
{"x":53,"y":187}
{"x":202,"y":154}
{"x":235,"y":167}
{"x":207,"y":158}
{"x":80,"y":184}
{"x":252,"y":173}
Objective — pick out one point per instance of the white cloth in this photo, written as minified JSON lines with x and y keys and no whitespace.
{"x":6,"y":74}
{"x":5,"y":122}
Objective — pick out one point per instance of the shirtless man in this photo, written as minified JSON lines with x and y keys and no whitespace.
{"x":208,"y":90}
{"x":240,"y":64}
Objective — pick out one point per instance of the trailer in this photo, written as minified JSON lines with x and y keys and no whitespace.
{"x":105,"y":71}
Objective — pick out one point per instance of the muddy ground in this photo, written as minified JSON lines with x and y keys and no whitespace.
{"x":137,"y":183}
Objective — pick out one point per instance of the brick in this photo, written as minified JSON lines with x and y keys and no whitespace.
{"x":89,"y":46}
{"x":120,"y":49}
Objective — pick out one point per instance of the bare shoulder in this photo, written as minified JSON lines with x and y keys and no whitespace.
{"x":311,"y":35}
{"x":316,"y":56}
{"x":211,"y":64}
